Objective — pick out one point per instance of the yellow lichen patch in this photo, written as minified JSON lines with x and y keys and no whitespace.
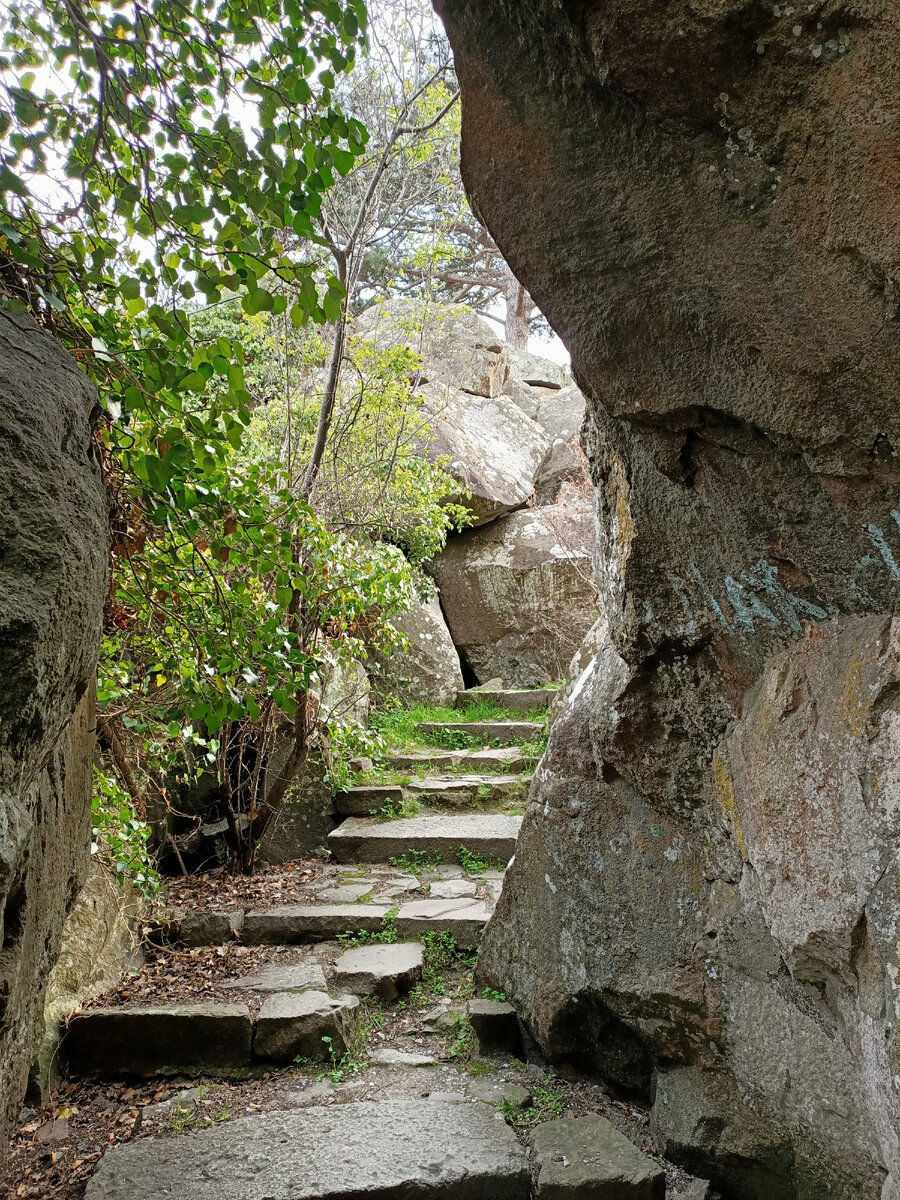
{"x":725,"y":789}
{"x":855,"y":701}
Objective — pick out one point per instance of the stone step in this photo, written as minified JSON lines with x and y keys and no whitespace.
{"x":505,"y":732}
{"x":183,"y":1039}
{"x":367,"y":840}
{"x":431,"y":1149}
{"x":301,"y":924}
{"x":464,"y":918}
{"x":202,"y":1039}
{"x":460,"y":790}
{"x":366,"y":799}
{"x":506,"y":758}
{"x":512,"y":699}
{"x":380,"y":970}
{"x":588,"y":1156}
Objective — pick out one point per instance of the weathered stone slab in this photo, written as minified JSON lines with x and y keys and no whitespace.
{"x":504,"y":732}
{"x":461,"y":790}
{"x":368,"y":840}
{"x":448,"y":789}
{"x":380,"y":970}
{"x":366,"y":799}
{"x":535,"y":370}
{"x":512,"y":699}
{"x":464,"y":918}
{"x":184,"y":1039}
{"x":292,"y":1025}
{"x":388,"y":1057}
{"x":496,"y":1026}
{"x":374,"y":1151}
{"x":293,"y":924}
{"x":496,"y":1091}
{"x":345,"y":893}
{"x":582,"y":1157}
{"x":299,"y":977}
{"x":510,"y":758}
{"x":207,"y":928}
{"x":562,"y":416}
{"x":454,"y":345}
{"x":451,"y":889}
{"x":437,"y":760}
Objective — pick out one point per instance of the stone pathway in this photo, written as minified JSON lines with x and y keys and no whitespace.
{"x":399,"y":879}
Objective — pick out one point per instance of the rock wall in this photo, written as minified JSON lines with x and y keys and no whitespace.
{"x":99,"y":941}
{"x":53,"y":553}
{"x":705,"y":903}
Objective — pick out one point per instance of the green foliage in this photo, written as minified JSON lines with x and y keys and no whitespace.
{"x":547,"y":1104}
{"x":417,"y":862}
{"x":393,"y":811}
{"x":442,"y":954}
{"x":477,"y":864}
{"x":386,"y":935}
{"x":119,"y":838}
{"x":465,"y":1042}
{"x":169,"y":196}
{"x":492,"y":994}
{"x":166,"y":197}
{"x":374,"y":479}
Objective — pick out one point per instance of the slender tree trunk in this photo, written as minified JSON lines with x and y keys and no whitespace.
{"x":518,"y":312}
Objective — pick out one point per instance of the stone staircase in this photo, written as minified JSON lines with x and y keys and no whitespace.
{"x":464,"y":853}
{"x":440,"y":870}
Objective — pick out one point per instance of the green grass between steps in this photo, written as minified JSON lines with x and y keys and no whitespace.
{"x":398,"y":726}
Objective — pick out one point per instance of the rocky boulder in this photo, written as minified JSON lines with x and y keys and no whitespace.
{"x":535,"y":370}
{"x":490,"y":446}
{"x":702,"y":199}
{"x":53,"y":553}
{"x":429,"y":671}
{"x":456,"y":346}
{"x":561,"y":416}
{"x":301,"y":826}
{"x":519,"y":594}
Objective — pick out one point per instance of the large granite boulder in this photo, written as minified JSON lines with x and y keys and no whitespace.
{"x":490,"y":446}
{"x":702,"y":199}
{"x":456,"y":346}
{"x":561,"y":415}
{"x":428,"y":672}
{"x":54,"y":536}
{"x":534,"y":369}
{"x":519,"y":594}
